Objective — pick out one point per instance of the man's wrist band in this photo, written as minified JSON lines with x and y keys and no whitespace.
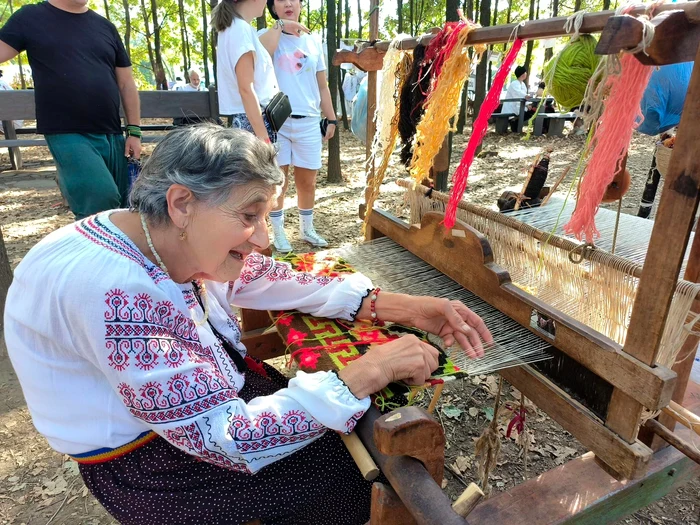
{"x":334,"y":122}
{"x":133,"y":131}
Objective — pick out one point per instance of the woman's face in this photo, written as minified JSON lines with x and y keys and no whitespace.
{"x":220,"y":237}
{"x":288,"y":9}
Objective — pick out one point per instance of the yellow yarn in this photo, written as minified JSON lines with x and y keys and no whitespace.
{"x":442,"y":106}
{"x":397,"y":65}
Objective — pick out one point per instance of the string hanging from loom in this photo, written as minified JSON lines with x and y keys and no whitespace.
{"x":610,"y":142}
{"x":479,"y":132}
{"x":442,"y":103}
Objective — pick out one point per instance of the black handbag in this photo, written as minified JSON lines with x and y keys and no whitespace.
{"x":278,"y":110}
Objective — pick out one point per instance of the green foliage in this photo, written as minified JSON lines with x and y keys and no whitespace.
{"x":419,"y":16}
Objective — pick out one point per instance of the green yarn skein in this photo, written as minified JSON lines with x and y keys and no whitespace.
{"x":574,"y":66}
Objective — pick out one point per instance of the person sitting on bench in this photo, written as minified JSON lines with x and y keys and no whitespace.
{"x":517,"y":89}
{"x":123,"y":332}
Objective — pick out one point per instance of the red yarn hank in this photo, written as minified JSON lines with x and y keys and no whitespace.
{"x":610,"y":143}
{"x":439,"y":48}
{"x":481,"y":125}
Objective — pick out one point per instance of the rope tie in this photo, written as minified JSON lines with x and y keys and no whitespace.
{"x":573,"y":24}
{"x":581,"y":252}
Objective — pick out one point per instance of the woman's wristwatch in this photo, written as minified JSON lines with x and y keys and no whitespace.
{"x":279,"y":23}
{"x":334,"y":122}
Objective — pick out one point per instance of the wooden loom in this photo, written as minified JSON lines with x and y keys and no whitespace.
{"x":581,"y":491}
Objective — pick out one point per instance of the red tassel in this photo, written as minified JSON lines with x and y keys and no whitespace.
{"x":479,"y":132}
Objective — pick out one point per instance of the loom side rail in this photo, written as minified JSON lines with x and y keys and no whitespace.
{"x":371,"y":58}
{"x":651,"y":386}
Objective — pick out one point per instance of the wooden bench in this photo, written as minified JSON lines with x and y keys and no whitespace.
{"x":501,"y":121}
{"x":556,"y":123}
{"x":19,"y":105}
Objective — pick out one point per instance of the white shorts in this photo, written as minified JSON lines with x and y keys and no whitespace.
{"x":299,"y":143}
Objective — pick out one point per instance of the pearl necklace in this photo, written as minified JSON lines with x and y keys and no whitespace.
{"x":202,"y":286}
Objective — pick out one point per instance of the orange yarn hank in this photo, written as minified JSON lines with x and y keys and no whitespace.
{"x":443,"y":102}
{"x":610,"y":143}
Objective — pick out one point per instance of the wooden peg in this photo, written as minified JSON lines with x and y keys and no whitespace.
{"x":363,"y":460}
{"x":468,"y":500}
{"x":682,"y":415}
{"x":672,"y":439}
{"x":436,"y":396}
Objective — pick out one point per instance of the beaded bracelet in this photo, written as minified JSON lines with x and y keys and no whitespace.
{"x":373,"y":306}
{"x":133,"y":131}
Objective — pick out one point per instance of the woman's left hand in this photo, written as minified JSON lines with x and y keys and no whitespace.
{"x":330,"y":132}
{"x":453,"y":322}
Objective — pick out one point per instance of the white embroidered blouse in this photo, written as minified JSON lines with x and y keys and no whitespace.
{"x":106,"y":347}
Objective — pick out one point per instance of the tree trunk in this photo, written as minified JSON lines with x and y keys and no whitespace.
{"x":410,"y":16}
{"x":549,"y":52}
{"x":577,"y":5}
{"x":205,"y":43}
{"x":341,"y":73}
{"x":161,"y":80}
{"x":183,"y":39}
{"x":323,"y":26}
{"x":470,"y":9}
{"x":399,"y":13}
{"x":261,"y":22}
{"x":5,"y":278}
{"x":334,"y":173}
{"x":359,"y":20}
{"x":530,"y":43}
{"x":213,"y":37}
{"x":107,"y":10}
{"x":127,"y":28}
{"x":482,"y":68}
{"x":147,"y":34}
{"x":606,"y":5}
{"x":347,"y":18}
{"x":495,"y":23}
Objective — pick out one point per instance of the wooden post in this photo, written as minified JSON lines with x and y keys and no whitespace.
{"x":371,"y":93}
{"x":5,"y":278}
{"x":674,"y":222}
{"x":14,"y":152}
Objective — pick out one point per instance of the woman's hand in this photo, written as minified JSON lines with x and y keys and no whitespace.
{"x":408,"y":359}
{"x":293,"y":27}
{"x":452,"y":321}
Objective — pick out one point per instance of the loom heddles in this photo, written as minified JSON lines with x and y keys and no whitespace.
{"x":599,"y":291}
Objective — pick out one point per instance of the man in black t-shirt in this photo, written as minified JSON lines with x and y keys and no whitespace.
{"x":80,"y":70}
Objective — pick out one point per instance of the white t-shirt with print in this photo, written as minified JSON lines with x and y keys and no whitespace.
{"x":235,"y":41}
{"x":296,"y":61}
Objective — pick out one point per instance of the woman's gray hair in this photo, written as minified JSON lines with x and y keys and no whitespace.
{"x":208,"y":159}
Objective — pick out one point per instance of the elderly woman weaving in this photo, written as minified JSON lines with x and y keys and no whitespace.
{"x":122,"y":331}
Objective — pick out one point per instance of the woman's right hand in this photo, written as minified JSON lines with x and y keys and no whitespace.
{"x":295,"y":28}
{"x":405,"y":359}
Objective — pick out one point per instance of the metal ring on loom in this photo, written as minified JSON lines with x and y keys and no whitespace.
{"x":583,"y":251}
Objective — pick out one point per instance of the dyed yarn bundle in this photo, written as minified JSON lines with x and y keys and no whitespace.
{"x":453,"y":64}
{"x":568,"y":73}
{"x":412,"y":98}
{"x":479,"y":132}
{"x":611,"y":139}
{"x":397,"y":65}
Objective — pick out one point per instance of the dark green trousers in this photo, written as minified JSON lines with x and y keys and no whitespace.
{"x":92,"y":171}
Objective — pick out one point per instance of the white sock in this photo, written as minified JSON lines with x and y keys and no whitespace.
{"x":306,"y":219}
{"x":277,"y":218}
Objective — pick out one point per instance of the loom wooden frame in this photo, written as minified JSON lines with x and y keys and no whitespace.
{"x":581,"y":491}
{"x":667,"y":246}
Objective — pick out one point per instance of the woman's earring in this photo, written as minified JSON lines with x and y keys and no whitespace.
{"x":183,"y":235}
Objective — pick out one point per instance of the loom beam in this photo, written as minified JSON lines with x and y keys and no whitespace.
{"x":676,"y":37}
{"x":371,"y":58}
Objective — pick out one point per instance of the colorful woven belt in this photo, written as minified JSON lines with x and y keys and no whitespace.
{"x":106,"y":454}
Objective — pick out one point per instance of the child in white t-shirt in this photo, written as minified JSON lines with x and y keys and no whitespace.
{"x":301,"y":73}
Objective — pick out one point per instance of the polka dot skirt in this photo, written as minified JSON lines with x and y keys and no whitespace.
{"x":159,"y":484}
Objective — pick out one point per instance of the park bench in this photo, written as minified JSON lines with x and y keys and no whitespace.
{"x":19,"y":105}
{"x":556,"y":123}
{"x":501,"y":121}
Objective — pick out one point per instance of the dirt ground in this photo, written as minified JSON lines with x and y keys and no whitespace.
{"x":39,"y":486}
